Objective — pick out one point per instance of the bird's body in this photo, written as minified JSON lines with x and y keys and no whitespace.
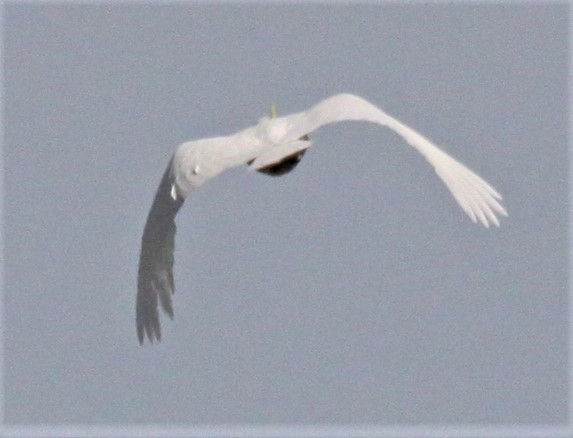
{"x":274,"y":146}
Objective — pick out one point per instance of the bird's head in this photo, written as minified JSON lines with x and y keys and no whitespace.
{"x":273,"y":128}
{"x":273,"y":115}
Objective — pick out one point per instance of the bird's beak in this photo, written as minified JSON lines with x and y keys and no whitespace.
{"x":273,"y":111}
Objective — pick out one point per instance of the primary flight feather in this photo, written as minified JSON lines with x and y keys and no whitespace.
{"x":273,"y":146}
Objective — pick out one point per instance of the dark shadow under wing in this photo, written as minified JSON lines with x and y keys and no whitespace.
{"x":155,"y":276}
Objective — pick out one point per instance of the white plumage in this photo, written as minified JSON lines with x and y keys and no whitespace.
{"x":274,"y":146}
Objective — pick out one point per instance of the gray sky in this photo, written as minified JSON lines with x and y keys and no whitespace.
{"x":351,"y":291}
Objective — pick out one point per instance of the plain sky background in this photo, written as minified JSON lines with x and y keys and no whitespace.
{"x":354,"y":289}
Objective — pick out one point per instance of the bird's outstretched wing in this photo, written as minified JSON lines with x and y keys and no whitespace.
{"x":475,"y":196}
{"x":155,"y":277}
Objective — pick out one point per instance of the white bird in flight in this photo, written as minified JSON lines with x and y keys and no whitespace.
{"x":273,"y":146}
